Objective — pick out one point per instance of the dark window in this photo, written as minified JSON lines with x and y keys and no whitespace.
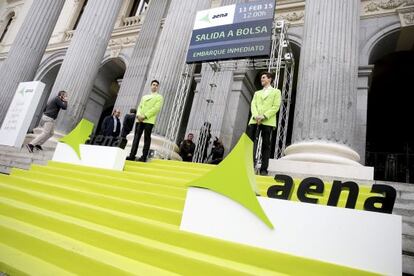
{"x":80,"y":14}
{"x":7,"y":27}
{"x":138,"y":7}
{"x":134,"y":8}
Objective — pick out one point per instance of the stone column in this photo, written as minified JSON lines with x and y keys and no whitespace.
{"x":325,"y":112}
{"x":136,"y":73}
{"x":225,"y":106}
{"x":169,"y":56}
{"x":28,"y":48}
{"x":360,"y":138}
{"x":83,"y":58}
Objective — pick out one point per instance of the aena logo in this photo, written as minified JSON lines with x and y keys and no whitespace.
{"x":220,"y":15}
{"x":208,"y":18}
{"x":234,"y":178}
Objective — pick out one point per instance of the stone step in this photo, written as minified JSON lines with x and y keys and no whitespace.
{"x":405,"y":195}
{"x":408,"y":264}
{"x":404,"y":203}
{"x":21,"y":158}
{"x":405,"y":213}
{"x":408,"y":243}
{"x":26,"y":156}
{"x":5,"y":169}
{"x":403,"y":187}
{"x":408,"y":229}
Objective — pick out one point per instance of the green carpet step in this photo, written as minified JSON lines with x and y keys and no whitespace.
{"x":98,"y":240}
{"x":185,"y":175}
{"x":180,"y":164}
{"x":171,"y":180}
{"x":16,"y":262}
{"x":157,"y":197}
{"x":173,"y":165}
{"x":34,"y":190}
{"x":189,"y":254}
{"x":263,"y":182}
{"x":68,"y":254}
{"x":175,"y":179}
{"x":119,"y":179}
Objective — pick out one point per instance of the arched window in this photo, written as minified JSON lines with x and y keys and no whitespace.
{"x":9,"y":20}
{"x":138,"y":7}
{"x":81,"y":10}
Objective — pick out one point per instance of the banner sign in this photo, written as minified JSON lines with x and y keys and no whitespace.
{"x":20,"y":113}
{"x":231,"y":32}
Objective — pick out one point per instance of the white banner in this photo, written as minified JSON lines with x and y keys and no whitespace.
{"x":20,"y":113}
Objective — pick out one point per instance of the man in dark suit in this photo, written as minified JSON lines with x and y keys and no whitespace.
{"x":111,"y":125}
{"x":127,"y":126}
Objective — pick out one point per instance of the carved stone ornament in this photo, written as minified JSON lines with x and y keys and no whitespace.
{"x":409,"y":18}
{"x":378,"y":5}
{"x":114,"y":52}
{"x":406,"y":16}
{"x":292,"y":17}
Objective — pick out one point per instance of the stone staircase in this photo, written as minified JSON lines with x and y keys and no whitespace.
{"x":404,"y":206}
{"x":22,"y":158}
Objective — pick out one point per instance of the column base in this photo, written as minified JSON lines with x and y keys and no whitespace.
{"x":321,"y":159}
{"x":157,"y":145}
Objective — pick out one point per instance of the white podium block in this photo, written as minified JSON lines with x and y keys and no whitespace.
{"x":20,"y":113}
{"x":359,"y":239}
{"x":112,"y":158}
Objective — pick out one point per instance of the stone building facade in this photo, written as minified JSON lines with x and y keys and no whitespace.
{"x":106,"y":52}
{"x":351,"y":95}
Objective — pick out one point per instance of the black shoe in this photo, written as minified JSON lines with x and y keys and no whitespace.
{"x":263,"y":172}
{"x":30,"y":147}
{"x":142,"y":159}
{"x":38,"y":147}
{"x":131,"y":158}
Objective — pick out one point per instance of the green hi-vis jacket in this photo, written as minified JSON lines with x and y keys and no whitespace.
{"x":265,"y":105}
{"x":149,"y":107}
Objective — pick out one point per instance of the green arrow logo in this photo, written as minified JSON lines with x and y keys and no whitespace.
{"x":234,"y":178}
{"x":78,"y":135}
{"x":205,"y":18}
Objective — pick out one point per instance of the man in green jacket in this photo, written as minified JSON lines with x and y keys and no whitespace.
{"x":264,"y":106}
{"x":147,"y":112}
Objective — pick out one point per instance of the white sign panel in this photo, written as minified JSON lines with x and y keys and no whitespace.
{"x":359,"y":239}
{"x":214,"y":17}
{"x":20,"y":113}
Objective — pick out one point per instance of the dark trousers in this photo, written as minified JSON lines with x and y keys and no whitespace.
{"x":139,"y":129}
{"x":123,"y":143}
{"x":252,"y":131}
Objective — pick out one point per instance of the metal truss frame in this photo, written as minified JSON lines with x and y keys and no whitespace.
{"x":281,"y":63}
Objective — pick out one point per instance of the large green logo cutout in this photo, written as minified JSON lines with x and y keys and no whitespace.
{"x":79,"y":135}
{"x":234,"y":178}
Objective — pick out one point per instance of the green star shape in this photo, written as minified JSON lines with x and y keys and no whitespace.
{"x":205,"y":18}
{"x":78,"y":135}
{"x":234,"y":178}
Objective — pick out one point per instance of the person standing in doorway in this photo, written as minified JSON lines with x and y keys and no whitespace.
{"x":111,"y":125}
{"x":47,"y":122}
{"x":147,"y":112}
{"x":127,"y":126}
{"x":264,"y":106}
